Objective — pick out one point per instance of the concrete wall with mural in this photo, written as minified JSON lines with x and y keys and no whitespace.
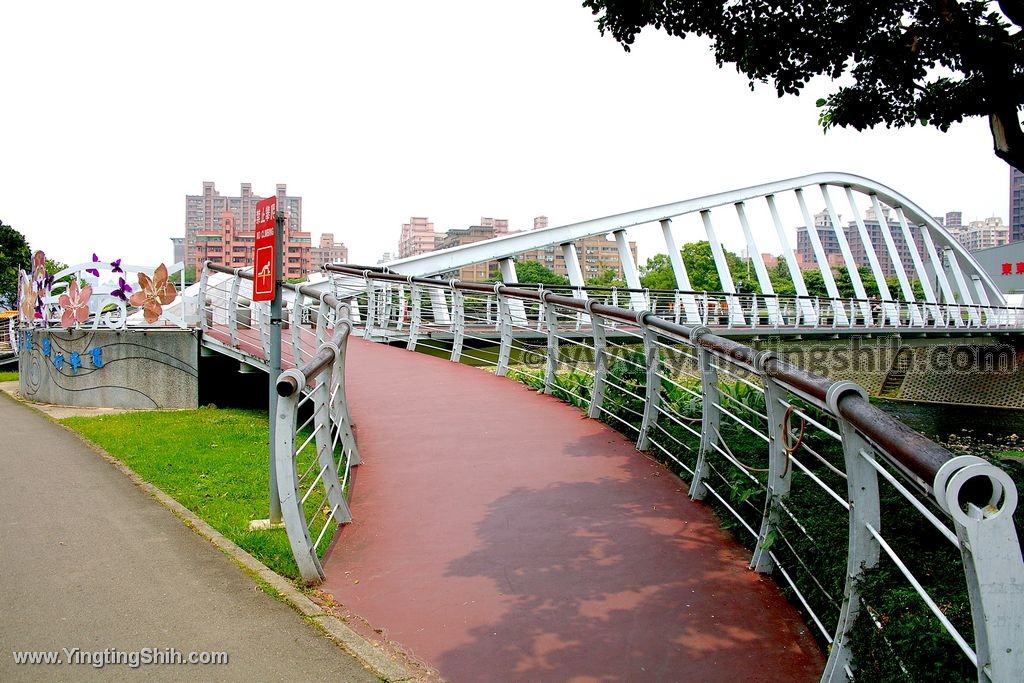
{"x":109,"y":368}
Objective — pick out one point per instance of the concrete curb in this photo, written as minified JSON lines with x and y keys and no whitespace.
{"x":372,"y":656}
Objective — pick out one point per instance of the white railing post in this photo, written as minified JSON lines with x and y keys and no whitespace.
{"x":292,"y":512}
{"x":600,"y":361}
{"x":992,"y":564}
{"x":371,"y":306}
{"x":322,"y":425}
{"x":233,"y":309}
{"x":505,"y":328}
{"x":652,"y":395}
{"x":415,"y":315}
{"x":298,"y":304}
{"x":551,"y":361}
{"x":711,"y":413}
{"x":204,"y":283}
{"x":864,"y":515}
{"x":779,"y":472}
{"x":340,"y":417}
{"x":457,"y":320}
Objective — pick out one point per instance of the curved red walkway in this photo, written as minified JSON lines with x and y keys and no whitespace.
{"x":501,"y":536}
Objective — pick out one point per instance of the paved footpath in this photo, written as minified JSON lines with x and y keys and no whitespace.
{"x":88,"y":560}
{"x":500,"y":536}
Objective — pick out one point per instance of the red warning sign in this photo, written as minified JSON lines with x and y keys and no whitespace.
{"x":263,"y":276}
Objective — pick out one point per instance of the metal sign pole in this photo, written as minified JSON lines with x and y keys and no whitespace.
{"x":275,"y":361}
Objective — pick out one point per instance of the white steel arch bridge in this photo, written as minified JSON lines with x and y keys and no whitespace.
{"x":885,"y":229}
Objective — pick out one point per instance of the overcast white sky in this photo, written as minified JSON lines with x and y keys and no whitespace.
{"x":374,"y":112}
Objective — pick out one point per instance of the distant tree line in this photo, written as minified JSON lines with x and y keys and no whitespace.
{"x":657,"y":273}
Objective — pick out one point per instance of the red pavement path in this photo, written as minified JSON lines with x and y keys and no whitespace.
{"x":500,"y":536}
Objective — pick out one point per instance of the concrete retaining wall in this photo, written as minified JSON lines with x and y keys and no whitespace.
{"x":966,"y":370}
{"x":108,"y":368}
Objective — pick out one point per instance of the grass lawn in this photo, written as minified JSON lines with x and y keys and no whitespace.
{"x":9,"y":376}
{"x":212,"y":461}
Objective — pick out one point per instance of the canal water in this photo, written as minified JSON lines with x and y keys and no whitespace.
{"x":939,"y":421}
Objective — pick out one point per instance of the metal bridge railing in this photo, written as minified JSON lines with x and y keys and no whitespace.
{"x":393,"y":302}
{"x":314,"y":457}
{"x":800,"y":466}
{"x":314,"y":448}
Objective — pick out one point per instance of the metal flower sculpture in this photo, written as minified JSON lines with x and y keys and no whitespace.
{"x":39,"y":266}
{"x":154,"y":293}
{"x":26,"y":299}
{"x":75,"y":303}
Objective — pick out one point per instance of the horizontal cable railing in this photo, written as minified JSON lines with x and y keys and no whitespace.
{"x":742,"y":310}
{"x":798,"y":465}
{"x":314,"y":449}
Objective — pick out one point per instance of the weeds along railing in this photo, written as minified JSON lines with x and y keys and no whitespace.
{"x":931,"y":582}
{"x":314,"y":448}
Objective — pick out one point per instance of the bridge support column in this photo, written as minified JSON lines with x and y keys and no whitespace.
{"x":637,"y":300}
{"x":915,"y":319}
{"x":722,"y":266}
{"x":509,"y":277}
{"x":973,"y":318}
{"x":851,"y":264}
{"x":754,"y":256}
{"x":930,"y":300}
{"x":689,"y":302}
{"x":889,"y":309}
{"x":439,"y":307}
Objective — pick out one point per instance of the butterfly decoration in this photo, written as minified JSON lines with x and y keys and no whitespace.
{"x":123,"y":288}
{"x":95,"y":272}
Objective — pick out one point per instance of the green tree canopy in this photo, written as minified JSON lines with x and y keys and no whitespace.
{"x":927,"y":61}
{"x":700,"y":266}
{"x":845,"y":285}
{"x":15,"y":255}
{"x":657,"y":273}
{"x":608,"y":278}
{"x":815,"y":282}
{"x":535,"y":272}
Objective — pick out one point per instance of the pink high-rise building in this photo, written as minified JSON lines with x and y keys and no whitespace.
{"x":329,"y":251}
{"x":417,"y":237}
{"x":205,"y":212}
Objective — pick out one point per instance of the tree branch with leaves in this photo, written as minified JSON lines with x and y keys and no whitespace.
{"x":933,"y":62}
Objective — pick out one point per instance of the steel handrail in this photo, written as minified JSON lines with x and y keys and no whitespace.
{"x":978,"y":497}
{"x":319,"y":381}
